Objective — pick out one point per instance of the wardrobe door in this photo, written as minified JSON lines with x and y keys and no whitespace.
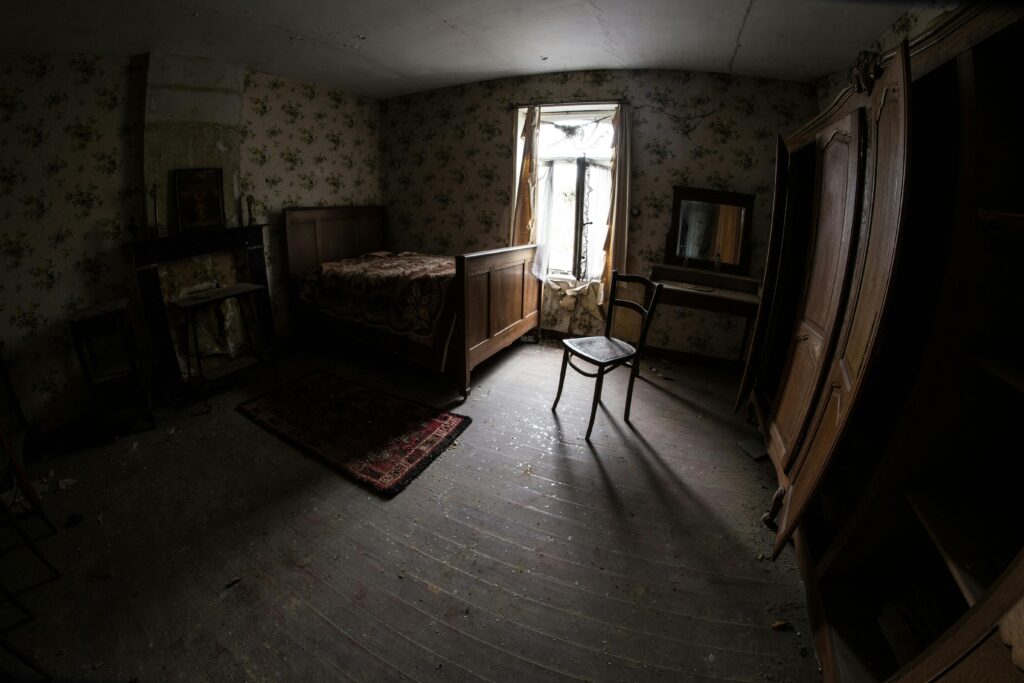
{"x":839,"y":180}
{"x":888,"y":135}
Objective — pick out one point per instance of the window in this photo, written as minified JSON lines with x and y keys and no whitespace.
{"x":574,"y":186}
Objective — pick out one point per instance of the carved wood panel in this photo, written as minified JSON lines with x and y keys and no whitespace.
{"x":839,"y":186}
{"x":506,"y":296}
{"x":766,"y":309}
{"x":888,"y":138}
{"x":478,"y":296}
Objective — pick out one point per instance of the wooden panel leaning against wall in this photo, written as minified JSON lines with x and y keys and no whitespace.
{"x":878,"y":244}
{"x":768,"y":284}
{"x":902,"y":495}
{"x":839,"y":184}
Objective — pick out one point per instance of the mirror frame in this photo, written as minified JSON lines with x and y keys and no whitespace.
{"x":681,"y":194}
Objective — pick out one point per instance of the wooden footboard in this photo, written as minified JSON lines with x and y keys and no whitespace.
{"x":500,"y":301}
{"x":494,"y":300}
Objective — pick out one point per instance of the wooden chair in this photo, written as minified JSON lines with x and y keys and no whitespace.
{"x":608,"y":353}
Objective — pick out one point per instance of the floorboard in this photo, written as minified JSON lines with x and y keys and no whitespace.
{"x":212,"y":551}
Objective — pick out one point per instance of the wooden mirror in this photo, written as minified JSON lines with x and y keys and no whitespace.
{"x":710,"y":229}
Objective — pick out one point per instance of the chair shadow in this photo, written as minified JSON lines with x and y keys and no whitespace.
{"x":667,"y":495}
{"x":609,"y":486}
{"x":673,"y":493}
{"x":729,"y":419}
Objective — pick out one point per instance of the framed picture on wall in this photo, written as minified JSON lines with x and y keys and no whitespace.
{"x":199,"y":199}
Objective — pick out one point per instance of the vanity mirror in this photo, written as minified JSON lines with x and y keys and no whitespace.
{"x":710,"y":229}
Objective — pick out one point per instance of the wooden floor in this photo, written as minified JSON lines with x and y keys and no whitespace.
{"x":211,"y":551}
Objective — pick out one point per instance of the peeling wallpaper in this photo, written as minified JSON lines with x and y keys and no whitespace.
{"x":70,"y":183}
{"x":447,"y":160}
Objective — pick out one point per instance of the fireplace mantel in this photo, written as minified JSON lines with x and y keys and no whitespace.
{"x":160,"y":250}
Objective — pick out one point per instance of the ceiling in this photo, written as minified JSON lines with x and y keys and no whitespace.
{"x":384,"y":48}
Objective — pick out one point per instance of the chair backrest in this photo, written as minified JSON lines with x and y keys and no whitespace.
{"x":652,"y":292}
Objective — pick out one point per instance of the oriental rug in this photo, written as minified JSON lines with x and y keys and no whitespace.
{"x":381,"y":441}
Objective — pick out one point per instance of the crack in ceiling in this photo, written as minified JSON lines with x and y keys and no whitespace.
{"x":739,"y":35}
{"x":394,"y":47}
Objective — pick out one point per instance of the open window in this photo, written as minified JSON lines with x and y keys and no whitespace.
{"x":572,"y":185}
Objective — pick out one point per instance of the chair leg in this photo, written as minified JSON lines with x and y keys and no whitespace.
{"x":633,"y":372}
{"x":597,"y":399}
{"x":561,"y":378}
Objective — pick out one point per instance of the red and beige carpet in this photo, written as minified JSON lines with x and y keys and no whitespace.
{"x":379,"y":440}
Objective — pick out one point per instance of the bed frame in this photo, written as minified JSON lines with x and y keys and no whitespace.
{"x":493,"y":301}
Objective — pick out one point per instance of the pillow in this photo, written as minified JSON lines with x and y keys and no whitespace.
{"x":379,"y":254}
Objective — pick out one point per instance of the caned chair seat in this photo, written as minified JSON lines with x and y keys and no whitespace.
{"x":608,"y":353}
{"x":600,"y":350}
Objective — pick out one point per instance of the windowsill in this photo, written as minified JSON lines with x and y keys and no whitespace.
{"x":553,"y":277}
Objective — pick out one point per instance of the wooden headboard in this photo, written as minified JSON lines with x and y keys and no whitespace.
{"x":320,"y":234}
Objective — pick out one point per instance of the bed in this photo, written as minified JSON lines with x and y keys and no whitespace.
{"x":448,"y":314}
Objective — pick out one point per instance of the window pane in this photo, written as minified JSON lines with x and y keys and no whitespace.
{"x":568,"y":133}
{"x":561,"y":216}
{"x":595,"y":211}
{"x":567,"y":137}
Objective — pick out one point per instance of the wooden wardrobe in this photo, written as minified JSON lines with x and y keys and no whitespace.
{"x":885,"y":367}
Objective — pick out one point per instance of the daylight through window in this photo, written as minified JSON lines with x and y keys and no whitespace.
{"x":574,"y":186}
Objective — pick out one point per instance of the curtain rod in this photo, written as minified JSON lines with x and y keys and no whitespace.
{"x":521,"y":105}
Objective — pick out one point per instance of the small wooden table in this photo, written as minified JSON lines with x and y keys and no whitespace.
{"x":710,"y":291}
{"x":188,"y":306}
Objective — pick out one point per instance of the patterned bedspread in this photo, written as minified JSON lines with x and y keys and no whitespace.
{"x":403,"y":293}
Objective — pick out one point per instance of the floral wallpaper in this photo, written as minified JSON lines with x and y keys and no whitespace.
{"x":70,"y":187}
{"x":447,"y":159}
{"x":70,"y":184}
{"x":304,"y":145}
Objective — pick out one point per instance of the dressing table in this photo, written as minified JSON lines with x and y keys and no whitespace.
{"x":706,"y":251}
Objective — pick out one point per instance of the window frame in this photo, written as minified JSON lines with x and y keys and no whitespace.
{"x":589,"y":108}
